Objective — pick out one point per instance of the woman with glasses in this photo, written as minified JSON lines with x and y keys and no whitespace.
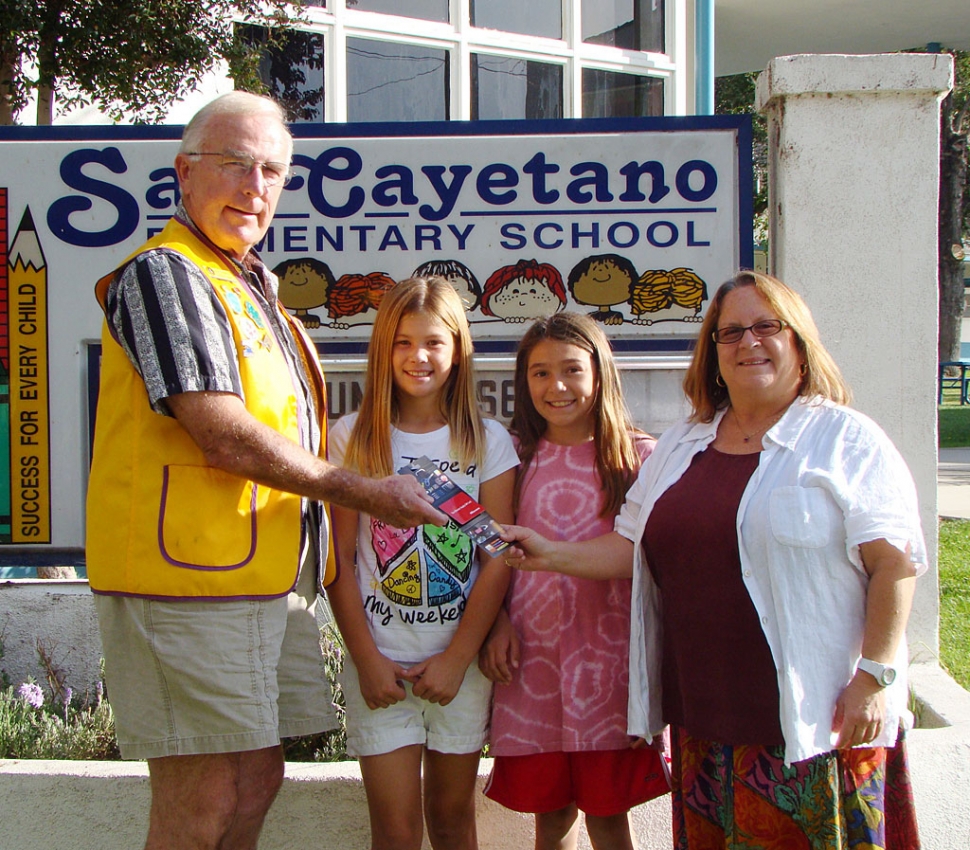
{"x":774,"y":540}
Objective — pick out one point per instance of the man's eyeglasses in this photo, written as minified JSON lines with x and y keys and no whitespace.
{"x":733,"y":334}
{"x":241,"y":165}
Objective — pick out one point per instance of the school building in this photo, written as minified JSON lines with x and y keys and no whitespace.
{"x":431,"y":60}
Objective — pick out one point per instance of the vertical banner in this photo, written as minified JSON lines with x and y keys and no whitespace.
{"x":4,"y":377}
{"x":29,"y":396}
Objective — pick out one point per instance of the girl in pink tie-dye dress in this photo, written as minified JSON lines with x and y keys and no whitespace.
{"x":560,"y":652}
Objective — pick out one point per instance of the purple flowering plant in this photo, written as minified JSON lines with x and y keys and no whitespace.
{"x":53,"y":724}
{"x":31,"y":694}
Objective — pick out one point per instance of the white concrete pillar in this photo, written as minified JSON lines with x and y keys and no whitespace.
{"x":853,"y":187}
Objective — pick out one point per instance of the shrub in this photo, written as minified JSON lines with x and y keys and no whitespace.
{"x":325,"y":746}
{"x":34,"y":727}
{"x":56,"y":724}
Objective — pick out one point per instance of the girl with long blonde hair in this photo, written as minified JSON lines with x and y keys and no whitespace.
{"x":415,"y":604}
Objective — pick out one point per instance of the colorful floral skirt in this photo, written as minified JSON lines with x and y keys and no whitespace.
{"x":744,"y":797}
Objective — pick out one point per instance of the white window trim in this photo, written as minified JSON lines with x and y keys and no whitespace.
{"x":460,"y":39}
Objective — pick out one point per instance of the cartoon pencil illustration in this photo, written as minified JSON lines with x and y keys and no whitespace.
{"x":29,"y":387}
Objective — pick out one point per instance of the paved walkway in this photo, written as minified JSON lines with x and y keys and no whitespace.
{"x":953,"y":483}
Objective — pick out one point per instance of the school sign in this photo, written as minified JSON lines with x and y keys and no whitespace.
{"x":635,"y":222}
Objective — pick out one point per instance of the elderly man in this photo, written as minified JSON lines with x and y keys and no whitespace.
{"x":206,"y":529}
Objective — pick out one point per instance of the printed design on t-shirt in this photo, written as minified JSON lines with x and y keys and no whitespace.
{"x":451,"y":548}
{"x":429,"y":569}
{"x":403,"y":584}
{"x":388,"y":542}
{"x":442,"y":588}
{"x":572,"y":502}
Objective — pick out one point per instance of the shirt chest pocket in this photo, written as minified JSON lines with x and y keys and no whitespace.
{"x":805,"y":517}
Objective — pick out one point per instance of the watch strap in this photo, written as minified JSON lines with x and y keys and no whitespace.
{"x":884,"y":674}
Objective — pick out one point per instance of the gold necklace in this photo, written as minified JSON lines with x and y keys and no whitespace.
{"x":745,"y":435}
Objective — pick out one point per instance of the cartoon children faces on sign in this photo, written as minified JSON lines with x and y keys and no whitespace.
{"x":512,"y":294}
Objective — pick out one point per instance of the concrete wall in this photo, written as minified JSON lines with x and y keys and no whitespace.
{"x":854,"y":164}
{"x":58,"y":617}
{"x":320,"y":807}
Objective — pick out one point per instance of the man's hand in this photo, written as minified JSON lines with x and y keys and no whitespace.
{"x":231,"y":439}
{"x":399,"y":500}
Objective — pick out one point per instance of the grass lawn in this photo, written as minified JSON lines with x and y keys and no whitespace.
{"x":955,"y":599}
{"x":954,"y":422}
{"x":954,"y":563}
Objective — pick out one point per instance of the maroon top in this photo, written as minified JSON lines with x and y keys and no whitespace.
{"x":718,"y":676}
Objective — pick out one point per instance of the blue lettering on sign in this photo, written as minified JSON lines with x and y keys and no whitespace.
{"x":539,"y":235}
{"x":326,"y":167}
{"x":706,"y":170}
{"x":383,"y":193}
{"x":60,"y":212}
{"x":539,"y":168}
{"x":514,"y":238}
{"x":599,"y":180}
{"x":632,"y":172}
{"x":447,"y":192}
{"x":340,"y":184}
{"x":497,"y":176}
{"x":623,"y":234}
{"x":164,"y":182}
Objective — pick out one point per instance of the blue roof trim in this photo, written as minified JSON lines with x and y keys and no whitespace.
{"x":561,"y":126}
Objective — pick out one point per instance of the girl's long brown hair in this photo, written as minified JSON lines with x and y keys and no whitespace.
{"x":617,"y":460}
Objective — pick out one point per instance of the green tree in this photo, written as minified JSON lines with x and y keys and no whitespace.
{"x":132,"y":59}
{"x":285,"y":59}
{"x":734,"y":95}
{"x":954,"y":227}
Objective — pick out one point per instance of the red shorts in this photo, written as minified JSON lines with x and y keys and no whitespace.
{"x":601,"y":783}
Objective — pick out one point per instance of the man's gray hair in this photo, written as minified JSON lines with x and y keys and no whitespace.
{"x":234,"y":103}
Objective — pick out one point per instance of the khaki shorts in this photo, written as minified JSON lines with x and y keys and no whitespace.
{"x":186,"y":678}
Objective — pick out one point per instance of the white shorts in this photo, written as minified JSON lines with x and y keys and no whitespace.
{"x":456,"y":728}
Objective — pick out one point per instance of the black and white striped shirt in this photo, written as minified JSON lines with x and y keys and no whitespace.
{"x":163,"y":312}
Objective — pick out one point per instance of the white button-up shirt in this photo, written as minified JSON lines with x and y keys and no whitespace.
{"x":828,"y":480}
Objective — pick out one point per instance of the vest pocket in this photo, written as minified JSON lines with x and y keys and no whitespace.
{"x":207,"y":518}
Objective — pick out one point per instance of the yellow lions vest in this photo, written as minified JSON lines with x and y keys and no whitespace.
{"x":161,"y":522}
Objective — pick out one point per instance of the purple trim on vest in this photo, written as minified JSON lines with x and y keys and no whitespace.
{"x":160,"y":598}
{"x":176,"y":563}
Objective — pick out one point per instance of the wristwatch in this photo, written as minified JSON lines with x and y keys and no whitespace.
{"x":883,"y":673}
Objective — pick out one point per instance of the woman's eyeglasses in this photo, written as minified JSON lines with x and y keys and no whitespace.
{"x":733,"y":333}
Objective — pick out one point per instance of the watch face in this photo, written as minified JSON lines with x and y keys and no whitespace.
{"x":888,"y":675}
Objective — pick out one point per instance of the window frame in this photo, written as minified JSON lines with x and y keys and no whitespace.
{"x":460,"y":39}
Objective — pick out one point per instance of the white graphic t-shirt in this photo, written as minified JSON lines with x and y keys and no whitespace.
{"x":414,"y":582}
